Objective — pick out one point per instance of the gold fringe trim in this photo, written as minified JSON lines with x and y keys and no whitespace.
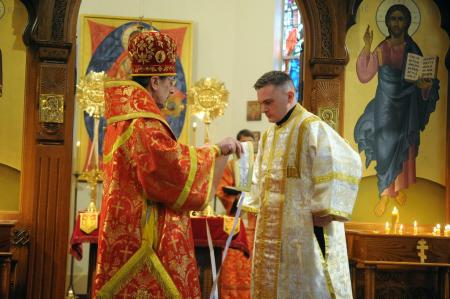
{"x":336,"y":176}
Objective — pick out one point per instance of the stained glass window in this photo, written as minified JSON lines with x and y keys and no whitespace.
{"x":292,"y":43}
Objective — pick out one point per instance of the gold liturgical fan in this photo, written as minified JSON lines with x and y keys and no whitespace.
{"x":209,"y":98}
{"x":91,"y":98}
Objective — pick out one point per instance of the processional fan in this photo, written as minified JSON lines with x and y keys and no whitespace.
{"x":208,"y":98}
{"x":91,"y":98}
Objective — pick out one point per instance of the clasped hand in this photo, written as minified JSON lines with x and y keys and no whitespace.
{"x":229,"y":146}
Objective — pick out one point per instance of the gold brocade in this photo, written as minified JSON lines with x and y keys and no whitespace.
{"x":268,"y":239}
{"x":187,"y":187}
{"x":324,"y":259}
{"x":138,"y":257}
{"x":120,"y":140}
{"x":301,"y":136}
{"x":292,"y":182}
{"x":88,"y":221}
{"x":144,"y":257}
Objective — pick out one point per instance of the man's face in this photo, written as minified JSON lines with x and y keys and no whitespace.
{"x":162,"y":89}
{"x":397,"y":24}
{"x":275,"y":101}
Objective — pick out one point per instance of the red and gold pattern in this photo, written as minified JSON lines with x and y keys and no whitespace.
{"x":145,"y":247}
{"x":235,"y":275}
{"x":152,"y":53}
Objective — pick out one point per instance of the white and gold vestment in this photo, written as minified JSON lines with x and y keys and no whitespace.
{"x":303,"y":168}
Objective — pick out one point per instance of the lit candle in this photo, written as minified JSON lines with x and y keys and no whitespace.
{"x":77,"y":155}
{"x":194,"y":129}
{"x":434,"y":231}
{"x":394,"y":219}
{"x":447,"y":230}
{"x":400,"y":231}
{"x":415,"y":227}
{"x":438,"y":229}
{"x":387,"y":229}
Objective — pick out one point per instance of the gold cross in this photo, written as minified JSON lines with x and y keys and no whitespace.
{"x":173,"y":242}
{"x":117,"y":208}
{"x":422,"y":245}
{"x":126,"y":252}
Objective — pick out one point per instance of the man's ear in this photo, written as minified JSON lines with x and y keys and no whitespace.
{"x":291,"y":96}
{"x":154,"y":83}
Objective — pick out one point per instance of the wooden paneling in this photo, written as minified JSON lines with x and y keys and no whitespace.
{"x":6,"y":263}
{"x":47,"y":157}
{"x":388,"y":266}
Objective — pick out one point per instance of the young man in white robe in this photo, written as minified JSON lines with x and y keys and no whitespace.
{"x":305,"y":183}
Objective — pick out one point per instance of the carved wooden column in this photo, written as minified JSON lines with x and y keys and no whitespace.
{"x":326,"y":62}
{"x":48,"y":130}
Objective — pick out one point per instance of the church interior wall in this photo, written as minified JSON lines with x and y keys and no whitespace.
{"x":13,"y":51}
{"x":426,"y":199}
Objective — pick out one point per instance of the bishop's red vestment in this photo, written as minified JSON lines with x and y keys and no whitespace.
{"x":145,"y":247}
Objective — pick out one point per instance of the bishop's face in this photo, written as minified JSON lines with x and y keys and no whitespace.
{"x":161,"y":89}
{"x":275,"y":101}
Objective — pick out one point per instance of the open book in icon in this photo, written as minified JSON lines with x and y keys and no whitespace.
{"x":420,"y":67}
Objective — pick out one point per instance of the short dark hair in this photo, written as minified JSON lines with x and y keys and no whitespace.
{"x":145,"y":80}
{"x":245,"y":133}
{"x":276,"y":78}
{"x":142,"y":80}
{"x":404,"y":10}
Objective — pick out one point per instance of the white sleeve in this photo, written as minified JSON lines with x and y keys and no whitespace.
{"x":336,"y":172}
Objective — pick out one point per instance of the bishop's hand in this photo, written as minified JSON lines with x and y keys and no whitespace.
{"x":229,"y":146}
